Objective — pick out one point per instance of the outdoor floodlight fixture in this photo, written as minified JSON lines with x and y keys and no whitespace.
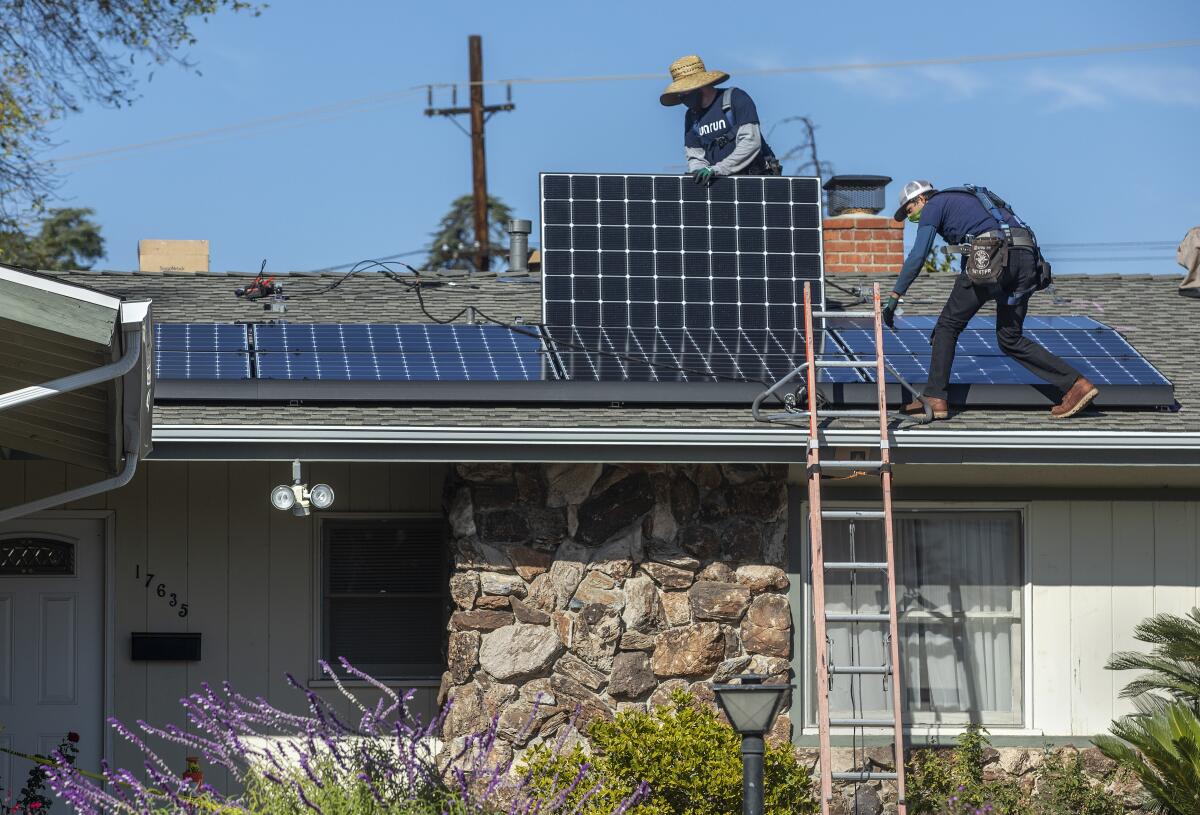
{"x":751,"y":708}
{"x":298,"y":497}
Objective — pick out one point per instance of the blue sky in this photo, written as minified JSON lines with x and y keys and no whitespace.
{"x":1092,"y":149}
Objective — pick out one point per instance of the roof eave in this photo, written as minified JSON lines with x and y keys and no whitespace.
{"x":783,"y":445}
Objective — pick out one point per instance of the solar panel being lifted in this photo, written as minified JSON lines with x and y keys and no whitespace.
{"x":659,"y":251}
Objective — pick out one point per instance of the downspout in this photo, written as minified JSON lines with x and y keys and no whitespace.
{"x":83,"y":379}
{"x":117,"y":481}
{"x":74,"y":382}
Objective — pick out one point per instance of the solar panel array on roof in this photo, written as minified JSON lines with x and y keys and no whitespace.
{"x":641,"y":364}
{"x":654,"y":289}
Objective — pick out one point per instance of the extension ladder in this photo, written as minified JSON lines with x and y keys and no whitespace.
{"x":857,"y":723}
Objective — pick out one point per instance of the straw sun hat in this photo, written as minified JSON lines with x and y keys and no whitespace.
{"x":688,"y":74}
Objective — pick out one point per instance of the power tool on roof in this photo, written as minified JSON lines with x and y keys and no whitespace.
{"x":264,"y":288}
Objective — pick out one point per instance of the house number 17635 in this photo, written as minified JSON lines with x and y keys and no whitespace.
{"x":160,"y":590}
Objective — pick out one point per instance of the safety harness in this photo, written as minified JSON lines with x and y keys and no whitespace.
{"x":764,"y":163}
{"x":986,"y":254}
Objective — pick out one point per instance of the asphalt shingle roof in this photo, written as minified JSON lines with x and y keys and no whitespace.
{"x":1164,"y":327}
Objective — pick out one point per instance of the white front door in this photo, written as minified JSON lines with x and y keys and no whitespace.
{"x":51,"y":641}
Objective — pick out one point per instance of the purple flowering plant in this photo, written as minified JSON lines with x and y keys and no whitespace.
{"x":387,"y":762}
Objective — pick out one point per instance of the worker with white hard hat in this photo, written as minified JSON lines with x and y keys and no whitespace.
{"x":1001,"y":262}
{"x":721,"y":133}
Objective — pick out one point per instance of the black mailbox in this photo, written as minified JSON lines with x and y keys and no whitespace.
{"x":165,"y":646}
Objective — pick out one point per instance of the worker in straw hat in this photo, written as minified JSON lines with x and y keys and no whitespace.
{"x":721,"y":134}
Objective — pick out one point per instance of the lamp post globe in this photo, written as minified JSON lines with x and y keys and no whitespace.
{"x":751,"y":708}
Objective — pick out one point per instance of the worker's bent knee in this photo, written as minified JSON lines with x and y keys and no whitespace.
{"x":1009,"y":338}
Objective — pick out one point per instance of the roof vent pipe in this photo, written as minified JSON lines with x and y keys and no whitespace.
{"x":518,"y":245}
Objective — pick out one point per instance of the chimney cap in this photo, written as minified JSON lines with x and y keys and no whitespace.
{"x":857,"y":181}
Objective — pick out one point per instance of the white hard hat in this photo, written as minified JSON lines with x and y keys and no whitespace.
{"x":911,"y":190}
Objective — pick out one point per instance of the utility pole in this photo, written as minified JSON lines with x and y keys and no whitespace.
{"x":479,"y":113}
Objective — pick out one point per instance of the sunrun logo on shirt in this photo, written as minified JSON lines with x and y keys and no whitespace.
{"x":712,"y":127}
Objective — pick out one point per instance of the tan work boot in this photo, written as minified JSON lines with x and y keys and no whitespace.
{"x":1076,"y":399}
{"x":916,"y":409}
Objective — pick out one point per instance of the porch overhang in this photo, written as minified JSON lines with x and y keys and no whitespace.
{"x":76,"y":373}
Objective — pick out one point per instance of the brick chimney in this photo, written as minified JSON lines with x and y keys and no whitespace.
{"x":863,"y":243}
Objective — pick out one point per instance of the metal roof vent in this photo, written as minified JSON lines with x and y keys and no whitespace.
{"x":856,"y":194}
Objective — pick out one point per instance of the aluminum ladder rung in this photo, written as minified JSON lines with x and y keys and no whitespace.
{"x":867,"y":314}
{"x":865,"y":775}
{"x":838,"y":617}
{"x":846,"y":363}
{"x":862,"y":723}
{"x":815,"y":466}
{"x":855,"y":566}
{"x":856,"y":670}
{"x":845,"y":464}
{"x":849,"y":413}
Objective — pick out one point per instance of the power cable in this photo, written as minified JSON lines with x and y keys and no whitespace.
{"x":394,"y":256}
{"x":349,"y":105}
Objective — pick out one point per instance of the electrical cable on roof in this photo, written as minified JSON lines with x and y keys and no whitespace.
{"x":384,"y":267}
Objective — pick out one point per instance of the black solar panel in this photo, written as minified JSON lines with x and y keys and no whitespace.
{"x":659,"y":251}
{"x":1097,"y":351}
{"x":398,"y":352}
{"x":201,"y":351}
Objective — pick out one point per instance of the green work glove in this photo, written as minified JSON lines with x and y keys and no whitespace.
{"x":705,"y":176}
{"x":889,"y":311}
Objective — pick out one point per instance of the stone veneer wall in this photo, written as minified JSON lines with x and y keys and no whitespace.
{"x":604,"y":587}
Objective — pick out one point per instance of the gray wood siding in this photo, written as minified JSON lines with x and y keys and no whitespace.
{"x":246,"y":571}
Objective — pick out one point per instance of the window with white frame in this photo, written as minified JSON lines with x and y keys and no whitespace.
{"x":960,"y":578}
{"x":384,"y":595}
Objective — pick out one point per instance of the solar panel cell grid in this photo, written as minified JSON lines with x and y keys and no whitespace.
{"x":662,"y":251}
{"x":201,"y":365}
{"x":399,"y":352}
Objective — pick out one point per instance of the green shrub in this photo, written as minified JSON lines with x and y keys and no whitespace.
{"x":952,"y":780}
{"x":1064,"y":789}
{"x":689,"y":758}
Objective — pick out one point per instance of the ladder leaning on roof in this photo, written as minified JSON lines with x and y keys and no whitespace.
{"x":857,"y":722}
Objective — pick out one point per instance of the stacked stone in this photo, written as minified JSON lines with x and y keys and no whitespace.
{"x":601,"y":588}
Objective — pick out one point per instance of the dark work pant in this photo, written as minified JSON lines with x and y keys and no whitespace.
{"x":967,"y":298}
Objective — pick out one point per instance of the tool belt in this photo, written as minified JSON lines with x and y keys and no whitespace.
{"x":986,"y":255}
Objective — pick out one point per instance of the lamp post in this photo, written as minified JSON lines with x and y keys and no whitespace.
{"x":751,"y":707}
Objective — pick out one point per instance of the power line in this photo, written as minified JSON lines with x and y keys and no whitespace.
{"x":1111,"y":244}
{"x":355,"y":105}
{"x":1111,"y":259}
{"x":867,"y":66}
{"x":323,"y":111}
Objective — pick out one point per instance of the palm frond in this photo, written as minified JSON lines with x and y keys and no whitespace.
{"x":1161,"y":746}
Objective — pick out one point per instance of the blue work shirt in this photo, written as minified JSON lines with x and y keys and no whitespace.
{"x":711,"y":129}
{"x":952,"y":216}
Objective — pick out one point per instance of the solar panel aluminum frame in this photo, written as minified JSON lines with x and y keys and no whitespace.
{"x":546,"y":392}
